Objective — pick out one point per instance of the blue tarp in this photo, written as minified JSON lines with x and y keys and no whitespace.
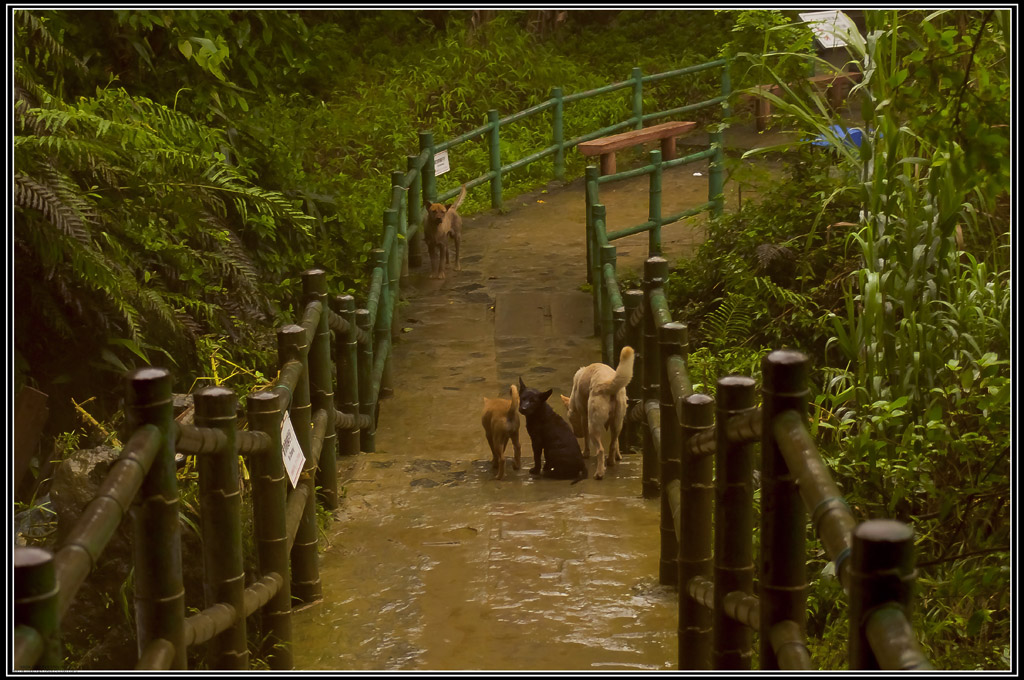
{"x":850,"y":136}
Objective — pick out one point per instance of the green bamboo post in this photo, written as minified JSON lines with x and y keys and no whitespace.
{"x":637,"y":75}
{"x":159,"y":588}
{"x":607,"y":319}
{"x":716,"y":175}
{"x":727,"y":90}
{"x":734,"y":525}
{"x":347,"y":372}
{"x":367,"y":406}
{"x":415,"y":207}
{"x":221,"y":525}
{"x":655,"y":274}
{"x":633,"y":300}
{"x":592,"y":173}
{"x":882,"y":574}
{"x":594,"y":264}
{"x":395,"y":258}
{"x":695,"y":516}
{"x":402,"y":221}
{"x":495,"y":158}
{"x":291,"y":346}
{"x":382,"y":329}
{"x":783,"y":580}
{"x":321,"y":387}
{"x":558,"y":133}
{"x":654,"y":205}
{"x":672,"y":339}
{"x":35,"y":601}
{"x":429,"y":179}
{"x":269,"y":497}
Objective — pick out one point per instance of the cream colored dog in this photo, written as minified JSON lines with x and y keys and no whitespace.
{"x":598,"y":403}
{"x":501,"y":423}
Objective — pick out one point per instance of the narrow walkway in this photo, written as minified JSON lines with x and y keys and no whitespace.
{"x":433,"y":564}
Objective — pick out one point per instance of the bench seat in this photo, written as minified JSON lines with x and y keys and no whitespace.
{"x":605,"y":147}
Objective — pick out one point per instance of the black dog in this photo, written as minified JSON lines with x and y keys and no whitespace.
{"x":550,"y":434}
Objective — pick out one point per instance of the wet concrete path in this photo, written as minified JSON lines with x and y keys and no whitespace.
{"x":433,"y":564}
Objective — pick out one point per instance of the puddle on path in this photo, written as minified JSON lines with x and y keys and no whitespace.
{"x":434,"y":565}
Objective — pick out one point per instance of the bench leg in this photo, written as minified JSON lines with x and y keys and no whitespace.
{"x":668,"y":148}
{"x":608,"y":163}
{"x":762,"y":109}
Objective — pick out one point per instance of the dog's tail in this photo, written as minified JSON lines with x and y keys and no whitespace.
{"x":624,"y":371}
{"x":458,"y":201}
{"x":513,"y":409}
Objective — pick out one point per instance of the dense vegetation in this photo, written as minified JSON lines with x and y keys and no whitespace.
{"x":174,"y":171}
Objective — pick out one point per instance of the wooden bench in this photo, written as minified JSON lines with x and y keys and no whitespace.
{"x":836,"y":84}
{"x":605,"y":147}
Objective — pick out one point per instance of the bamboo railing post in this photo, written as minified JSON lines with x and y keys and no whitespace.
{"x":695,"y":502}
{"x":716,"y":175}
{"x":783,"y":580}
{"x":321,"y":387}
{"x":35,"y":601}
{"x":655,"y":273}
{"x":734,"y":524}
{"x":672,"y":338}
{"x":591,"y":175}
{"x":429,"y":188}
{"x":346,"y":367}
{"x":221,"y":525}
{"x":607,"y":318}
{"x":291,"y":346}
{"x":654,"y":205}
{"x":636,"y":75}
{"x":402,"y":221}
{"x":414,"y":206}
{"x":269,"y":497}
{"x":367,"y":405}
{"x":495,"y":158}
{"x":382,"y":327}
{"x":159,"y":586}
{"x":394,"y":263}
{"x":558,"y":133}
{"x":881,"y":572}
{"x":594,"y":265}
{"x":633,"y":300}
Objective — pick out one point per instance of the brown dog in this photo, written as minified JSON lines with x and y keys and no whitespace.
{"x":501,"y":423}
{"x":443,"y":224}
{"x":598,"y":403}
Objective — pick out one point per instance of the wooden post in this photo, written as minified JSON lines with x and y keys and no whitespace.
{"x":783,"y":580}
{"x":695,"y":501}
{"x":159,"y":588}
{"x":347,"y":371}
{"x":291,"y":346}
{"x":269,"y":497}
{"x":672,"y":339}
{"x":221,"y":524}
{"x":734,"y":525}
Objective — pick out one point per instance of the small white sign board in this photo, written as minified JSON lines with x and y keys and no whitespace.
{"x":441,"y":165}
{"x":830,"y":27}
{"x":291,"y":452}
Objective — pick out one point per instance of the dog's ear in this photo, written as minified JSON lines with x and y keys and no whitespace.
{"x":522,"y":387}
{"x":544,"y":396}
{"x":566,"y":400}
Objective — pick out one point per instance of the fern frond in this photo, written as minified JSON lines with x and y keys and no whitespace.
{"x":52,"y":203}
{"x":783,"y":296}
{"x":731,"y":322}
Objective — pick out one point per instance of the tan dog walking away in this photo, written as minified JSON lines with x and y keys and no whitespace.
{"x":501,"y":423}
{"x":598,"y":403}
{"x":444,"y":224}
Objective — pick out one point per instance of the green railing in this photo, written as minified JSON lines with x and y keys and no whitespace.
{"x":699,"y":459}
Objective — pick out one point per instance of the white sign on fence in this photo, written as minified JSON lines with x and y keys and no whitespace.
{"x":830,"y":28}
{"x":291,"y":452}
{"x":441,"y":163}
